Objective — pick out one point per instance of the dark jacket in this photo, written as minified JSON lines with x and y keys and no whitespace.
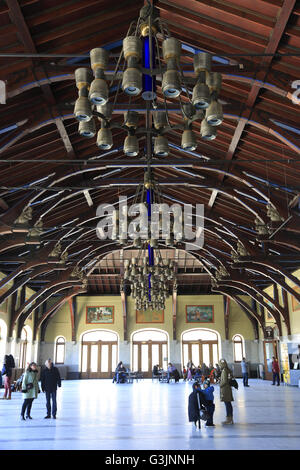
{"x":6,"y":370}
{"x":50,"y":379}
{"x":193,"y":406}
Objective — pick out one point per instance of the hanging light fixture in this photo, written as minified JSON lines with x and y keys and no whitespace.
{"x":150,"y":56}
{"x":142,"y":63}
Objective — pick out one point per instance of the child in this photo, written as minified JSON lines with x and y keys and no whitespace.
{"x":184,"y":374}
{"x":209,"y":397}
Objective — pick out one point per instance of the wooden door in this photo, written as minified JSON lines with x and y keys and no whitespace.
{"x":148,"y":353}
{"x":270,"y":350}
{"x":98,"y":359}
{"x":200,"y":352}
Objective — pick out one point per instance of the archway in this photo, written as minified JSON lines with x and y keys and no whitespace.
{"x":201,"y":345}
{"x":3,"y":335}
{"x":149,"y":347}
{"x":99,"y":354}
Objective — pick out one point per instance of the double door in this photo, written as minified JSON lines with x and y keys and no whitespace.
{"x":98,"y":359}
{"x":146,"y":354}
{"x":200,"y":352}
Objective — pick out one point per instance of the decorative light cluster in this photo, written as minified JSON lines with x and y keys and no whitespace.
{"x":145,"y":61}
{"x":137,"y":273}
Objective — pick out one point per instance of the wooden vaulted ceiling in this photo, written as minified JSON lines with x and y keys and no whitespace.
{"x":253,"y":163}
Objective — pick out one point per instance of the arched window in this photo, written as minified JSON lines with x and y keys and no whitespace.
{"x":60,"y":345}
{"x":149,"y":348}
{"x":99,"y":354}
{"x":3,"y":333}
{"x":201,"y":346}
{"x":238,"y":348}
{"x":25,"y":346}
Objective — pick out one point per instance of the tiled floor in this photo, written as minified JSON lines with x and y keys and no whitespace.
{"x":96,"y":414}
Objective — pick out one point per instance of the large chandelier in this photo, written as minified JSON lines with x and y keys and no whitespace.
{"x":150,"y":56}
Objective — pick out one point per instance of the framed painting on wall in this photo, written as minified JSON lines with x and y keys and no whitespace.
{"x":199,"y":314}
{"x":100,"y":314}
{"x":295,"y":302}
{"x":148,"y":316}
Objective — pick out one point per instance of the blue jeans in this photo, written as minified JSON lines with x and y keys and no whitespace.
{"x":210,"y":409}
{"x":245,"y":378}
{"x":276,"y":378}
{"x":229,"y":410}
{"x":51,"y":396}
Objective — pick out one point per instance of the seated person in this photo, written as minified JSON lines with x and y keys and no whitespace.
{"x":198,"y":373}
{"x":172,"y":372}
{"x":120,"y":374}
{"x":155,"y":370}
{"x":184,"y":374}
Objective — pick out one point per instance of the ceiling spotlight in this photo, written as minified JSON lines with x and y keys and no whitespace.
{"x":208,"y":132}
{"x":87,"y":128}
{"x":104,"y":139}
{"x":131,"y":146}
{"x":161,"y":146}
{"x":82,"y":109}
{"x":188,"y":140}
{"x":201,"y":96}
{"x":214,"y":114}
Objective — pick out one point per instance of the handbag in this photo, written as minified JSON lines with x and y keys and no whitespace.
{"x":233,"y":383}
{"x":203,"y":415}
{"x":29,"y":386}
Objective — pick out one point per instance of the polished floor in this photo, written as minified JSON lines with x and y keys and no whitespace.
{"x":96,"y":414}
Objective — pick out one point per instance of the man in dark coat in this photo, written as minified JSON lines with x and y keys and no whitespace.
{"x":196,"y":403}
{"x":50,"y":380}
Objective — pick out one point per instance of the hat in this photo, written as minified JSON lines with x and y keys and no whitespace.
{"x":206,"y":382}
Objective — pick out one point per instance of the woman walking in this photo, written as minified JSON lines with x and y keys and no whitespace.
{"x":7,"y":371}
{"x":225,"y":391}
{"x":30,"y":388}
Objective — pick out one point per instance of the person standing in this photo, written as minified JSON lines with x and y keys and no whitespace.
{"x":50,"y":380}
{"x":225,"y":391}
{"x":7,"y":371}
{"x":30,"y":388}
{"x":276,"y":371}
{"x":196,"y":402}
{"x":208,"y":393}
{"x":244,"y":372}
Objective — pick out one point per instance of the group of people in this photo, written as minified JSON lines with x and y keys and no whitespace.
{"x":191,"y":372}
{"x":201,"y":401}
{"x":50,"y":380}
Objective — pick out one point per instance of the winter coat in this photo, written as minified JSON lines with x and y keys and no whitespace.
{"x":50,"y":379}
{"x":225,"y":388}
{"x":30,"y":376}
{"x":193,"y":405}
{"x":6,"y":370}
